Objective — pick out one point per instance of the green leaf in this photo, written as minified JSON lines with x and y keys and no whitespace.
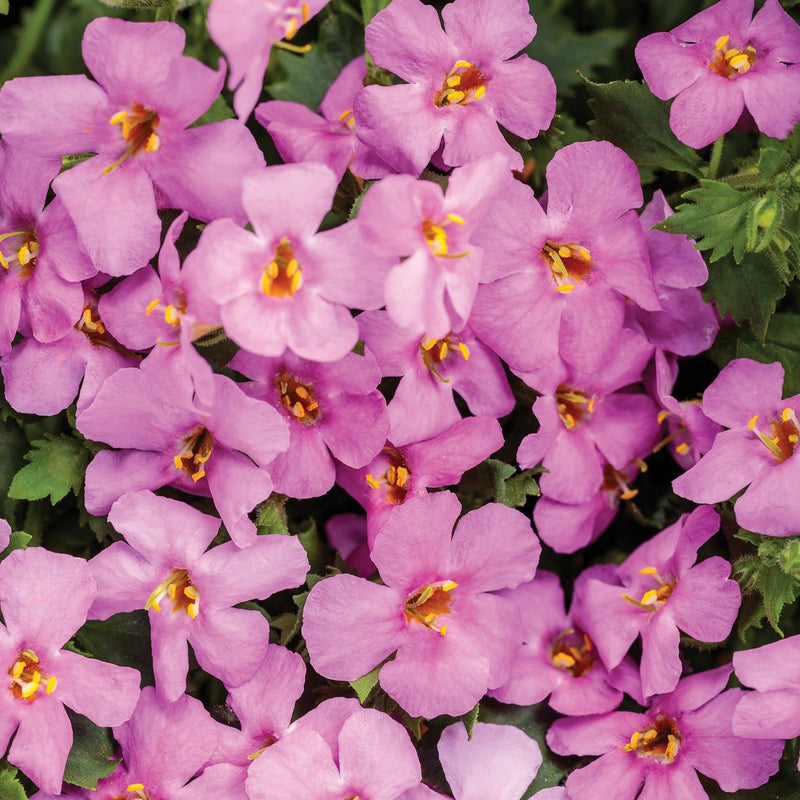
{"x":781,"y":343}
{"x":627,"y":114}
{"x":92,"y":755}
{"x":13,"y":446}
{"x":790,"y":558}
{"x":715,"y":218}
{"x":365,"y":684}
{"x":122,"y":639}
{"x":18,"y":541}
{"x":369,"y":8}
{"x":58,"y":464}
{"x":218,"y":111}
{"x":470,"y":718}
{"x":315,"y":548}
{"x":272,"y":515}
{"x":565,"y":52}
{"x":10,"y":787}
{"x":309,"y":75}
{"x":4,"y":10}
{"x":748,"y":291}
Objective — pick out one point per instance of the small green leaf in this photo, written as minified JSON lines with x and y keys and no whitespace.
{"x":272,"y":515}
{"x":122,"y":639}
{"x":470,"y":718}
{"x":365,"y":684}
{"x":627,"y":114}
{"x":369,"y":8}
{"x":10,"y":787}
{"x":715,"y":218}
{"x":218,"y":111}
{"x":315,"y":548}
{"x":92,"y":755}
{"x":781,"y":343}
{"x":18,"y":541}
{"x":58,"y":464}
{"x":4,"y":10}
{"x":790,"y":558}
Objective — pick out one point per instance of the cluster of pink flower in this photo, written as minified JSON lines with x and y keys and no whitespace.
{"x":576,"y":293}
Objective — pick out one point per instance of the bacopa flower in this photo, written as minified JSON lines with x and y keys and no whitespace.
{"x":461,"y":82}
{"x":44,"y":598}
{"x":657,"y":754}
{"x":723,"y":61}
{"x":757,"y":451}
{"x":453,"y":637}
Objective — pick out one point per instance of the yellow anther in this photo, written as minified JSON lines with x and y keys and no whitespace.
{"x":372,"y":482}
{"x":649,"y":735}
{"x":564,"y":251}
{"x":178,"y":462}
{"x":298,"y":410}
{"x":453,"y":80}
{"x":461,"y":63}
{"x":135,"y":787}
{"x":291,"y":267}
{"x":457,"y":218}
{"x":629,"y":495}
{"x":429,"y":618}
{"x":721,"y":42}
{"x":51,"y":685}
{"x":190,"y":592}
{"x":153,"y":143}
{"x":345,"y":114}
{"x":272,"y":269}
{"x":152,"y":306}
{"x":302,"y":392}
{"x":3,"y":262}
{"x":31,"y":656}
{"x":672,"y":747}
{"x":172,"y":316}
{"x":291,"y":29}
{"x":443,"y":630}
{"x":427,"y":344}
{"x":455,"y":96}
{"x":305,"y":13}
{"x":739,"y":60}
{"x":682,"y":448}
{"x":201,"y":473}
{"x":191,"y":610}
{"x":787,"y":414}
{"x":400,"y":477}
{"x":30,"y":689}
{"x":584,"y":253}
{"x":479,"y":92}
{"x":662,"y":415}
{"x":297,"y":279}
{"x":443,"y":351}
{"x":752,"y":423}
{"x":563,"y":660}
{"x":569,"y":421}
{"x":120,"y":116}
{"x":17,"y":669}
{"x":565,"y":288}
{"x":155,"y":606}
{"x":464,"y":350}
{"x":590,"y":405}
{"x":171,"y":591}
{"x":649,"y":597}
{"x":448,"y":586}
{"x":648,"y":571}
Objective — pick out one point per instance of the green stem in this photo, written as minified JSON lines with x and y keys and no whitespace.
{"x":32,"y":32}
{"x":716,"y":157}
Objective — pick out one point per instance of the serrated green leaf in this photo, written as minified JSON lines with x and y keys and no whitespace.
{"x":781,"y":343}
{"x":748,"y":291}
{"x":92,"y":755}
{"x":366,"y":683}
{"x":470,"y":718}
{"x":57,"y":464}
{"x":715,"y":218}
{"x":17,"y":541}
{"x":790,"y":558}
{"x":627,"y":114}
{"x":565,"y":52}
{"x":10,"y":787}
{"x":272,"y":516}
{"x":516,"y":490}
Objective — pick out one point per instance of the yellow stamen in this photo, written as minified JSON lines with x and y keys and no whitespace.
{"x":662,"y":415}
{"x":372,"y":482}
{"x":455,"y":96}
{"x":453,"y":80}
{"x":721,"y":42}
{"x":461,"y":63}
{"x":152,"y":306}
{"x":120,"y":116}
{"x":648,"y":571}
{"x":682,"y":448}
{"x":629,"y":495}
{"x":31,"y":656}
{"x":51,"y":685}
{"x":196,"y":476}
{"x":135,"y":787}
{"x":443,"y":630}
{"x":17,"y":669}
{"x":565,"y":288}
{"x":464,"y":350}
{"x":457,"y":218}
{"x":479,"y":92}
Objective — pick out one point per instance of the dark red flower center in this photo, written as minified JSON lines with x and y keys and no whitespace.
{"x":573,"y":405}
{"x":783,"y":437}
{"x":729,"y":62}
{"x":660,"y":741}
{"x":28,"y":677}
{"x":195,"y":450}
{"x":178,"y":588}
{"x":574,"y":652}
{"x":435,"y":351}
{"x":24,"y":249}
{"x":298,"y":398}
{"x":462,"y":84}
{"x":283,"y":276}
{"x":569,"y":264}
{"x":395,"y":479}
{"x":429,"y":603}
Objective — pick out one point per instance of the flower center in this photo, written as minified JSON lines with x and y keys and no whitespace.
{"x":292,"y":18}
{"x":573,"y":405}
{"x":730,"y":62}
{"x":430,"y":602}
{"x":179,"y":588}
{"x":661,"y":741}
{"x":462,"y":84}
{"x":435,"y":351}
{"x":298,"y":398}
{"x":24,"y":250}
{"x":569,"y":264}
{"x":435,"y":234}
{"x":395,"y":479}
{"x":654,"y":598}
{"x":172,"y":312}
{"x":282,"y":277}
{"x":28,"y":677}
{"x":573,"y":652}
{"x":138,"y":124}
{"x":195,"y":451}
{"x":785,"y":434}
{"x":134,"y":791}
{"x":268,"y":740}
{"x":616,"y":481}
{"x":348,"y":118}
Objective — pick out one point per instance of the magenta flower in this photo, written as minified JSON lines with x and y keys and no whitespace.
{"x":136,"y":119}
{"x":437,"y":610}
{"x":170,"y":435}
{"x":757,"y":451}
{"x":337,"y":751}
{"x":657,"y":754}
{"x":285,"y":285}
{"x":333,"y":410}
{"x":721,"y":62}
{"x":301,"y":135}
{"x":770,"y":712}
{"x":558,"y":659}
{"x":5,"y":534}
{"x":44,"y":598}
{"x":562,"y":277}
{"x":497,"y":761}
{"x":655,"y":592}
{"x":461,"y":82}
{"x":245,"y":31}
{"x":189,"y":592}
